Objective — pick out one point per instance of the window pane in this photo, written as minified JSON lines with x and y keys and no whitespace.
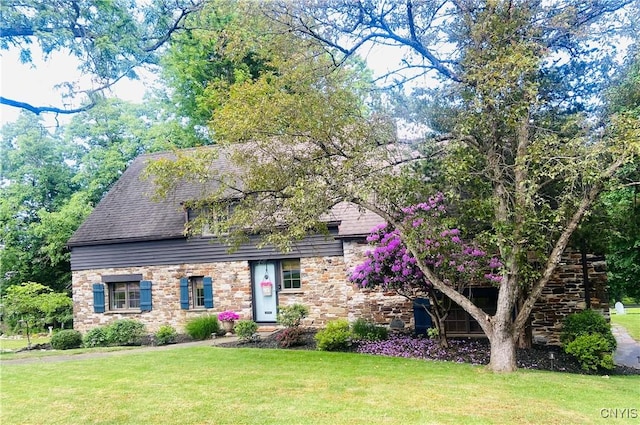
{"x":134,"y":295}
{"x":125,"y":295}
{"x":197,"y":285}
{"x":291,"y":274}
{"x":119,"y":295}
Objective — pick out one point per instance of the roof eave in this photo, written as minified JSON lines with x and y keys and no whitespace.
{"x":123,"y":240}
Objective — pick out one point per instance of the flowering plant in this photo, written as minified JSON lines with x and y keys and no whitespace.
{"x":228,"y":316}
{"x":438,"y":247}
{"x":392,"y":266}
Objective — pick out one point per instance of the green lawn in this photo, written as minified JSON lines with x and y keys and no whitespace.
{"x":15,"y":344}
{"x":630,"y":321}
{"x":206,"y":385}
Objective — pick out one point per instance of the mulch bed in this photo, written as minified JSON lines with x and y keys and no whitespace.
{"x":461,"y":350}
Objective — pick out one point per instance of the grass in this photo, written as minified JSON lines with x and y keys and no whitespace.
{"x":630,"y":321}
{"x":37,"y":354}
{"x":17,"y":343}
{"x":207,"y":385}
{"x":8,"y":347}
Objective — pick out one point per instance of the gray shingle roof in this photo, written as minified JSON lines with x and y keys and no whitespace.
{"x":128,"y":212}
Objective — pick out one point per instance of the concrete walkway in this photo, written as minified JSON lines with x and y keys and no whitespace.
{"x":628,"y":351}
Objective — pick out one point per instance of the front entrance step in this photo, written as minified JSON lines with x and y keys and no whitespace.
{"x":268,"y":328}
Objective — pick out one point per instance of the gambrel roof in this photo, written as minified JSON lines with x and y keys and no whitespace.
{"x":130,"y":212}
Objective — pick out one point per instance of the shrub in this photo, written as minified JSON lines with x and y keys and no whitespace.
{"x":587,"y":336}
{"x":66,"y":339}
{"x":593,"y":351}
{"x":584,"y":323}
{"x":290,"y":337}
{"x":125,"y":332}
{"x":367,"y":331}
{"x":201,"y":328}
{"x":245,"y":329}
{"x":96,"y":337}
{"x":291,"y":316}
{"x":166,"y":334}
{"x":335,"y":337}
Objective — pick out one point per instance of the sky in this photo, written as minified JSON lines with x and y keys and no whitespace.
{"x":35,"y":83}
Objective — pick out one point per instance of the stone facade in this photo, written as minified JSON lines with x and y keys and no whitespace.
{"x":565,"y":294}
{"x":232,"y":291}
{"x":324,"y":289}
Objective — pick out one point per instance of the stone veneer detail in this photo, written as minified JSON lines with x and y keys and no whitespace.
{"x":231,"y":291}
{"x":325,"y":290}
{"x":565,"y":294}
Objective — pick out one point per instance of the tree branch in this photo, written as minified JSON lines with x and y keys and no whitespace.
{"x":40,"y":109}
{"x":556,"y":254}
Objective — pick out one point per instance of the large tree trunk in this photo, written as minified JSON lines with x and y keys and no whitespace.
{"x":503,"y":350}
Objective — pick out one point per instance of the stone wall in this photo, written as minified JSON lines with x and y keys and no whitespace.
{"x":565,"y":294}
{"x":325,"y":290}
{"x":377,"y":306}
{"x":231,"y":291}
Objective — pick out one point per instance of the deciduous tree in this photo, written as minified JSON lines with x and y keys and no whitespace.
{"x":303,"y":139}
{"x":35,"y":305}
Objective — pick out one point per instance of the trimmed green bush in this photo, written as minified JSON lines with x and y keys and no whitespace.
{"x":201,"y":328}
{"x":335,"y":337}
{"x":96,"y":337}
{"x":587,"y":336}
{"x":593,"y":351}
{"x":66,"y":339}
{"x":584,"y":323}
{"x":292,"y":315}
{"x":364,"y":330}
{"x":245,"y":329}
{"x":125,"y":332}
{"x":166,"y":334}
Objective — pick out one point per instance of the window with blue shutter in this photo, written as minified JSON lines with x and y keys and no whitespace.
{"x":145,"y":295}
{"x":184,"y":293}
{"x":98,"y":298}
{"x":208,"y":292}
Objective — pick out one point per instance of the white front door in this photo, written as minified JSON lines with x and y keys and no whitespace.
{"x":265,"y":294}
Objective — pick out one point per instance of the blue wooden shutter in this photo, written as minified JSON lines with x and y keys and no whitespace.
{"x":98,"y":298}
{"x":207,"y":283}
{"x":184,"y":293}
{"x":145,"y":295}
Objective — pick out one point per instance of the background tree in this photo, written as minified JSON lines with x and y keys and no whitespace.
{"x":110,"y":39}
{"x":36,"y":175}
{"x":200,"y":65}
{"x":32,"y":305}
{"x":52,"y":179}
{"x":107,"y":138}
{"x":622,"y":202}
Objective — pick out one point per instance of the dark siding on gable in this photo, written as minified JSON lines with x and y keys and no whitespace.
{"x":183,"y":251}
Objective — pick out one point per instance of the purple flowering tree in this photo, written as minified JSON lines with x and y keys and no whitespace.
{"x":392,"y":266}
